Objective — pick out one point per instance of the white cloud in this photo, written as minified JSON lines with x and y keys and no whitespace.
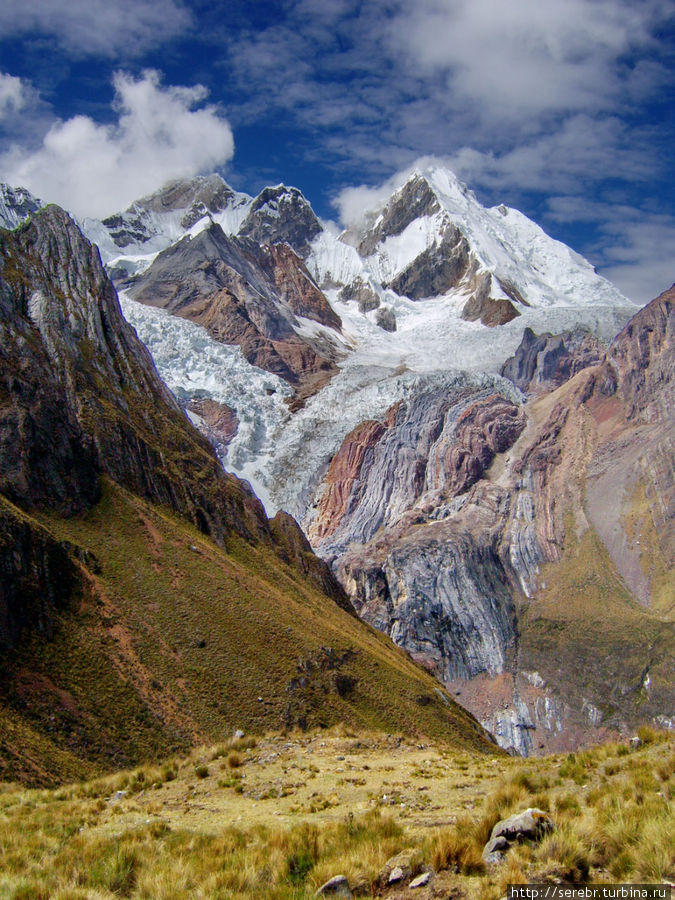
{"x":97,"y":27}
{"x":579,"y":148}
{"x":12,"y":94}
{"x":638,"y":256}
{"x":524,"y":57}
{"x":94,"y":169}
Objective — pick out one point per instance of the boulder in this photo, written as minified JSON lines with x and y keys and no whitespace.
{"x":421,"y":880}
{"x":530,"y":825}
{"x":337,"y":886}
{"x":494,"y":850}
{"x":399,"y":868}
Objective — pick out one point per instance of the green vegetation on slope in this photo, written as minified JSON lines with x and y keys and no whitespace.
{"x":173,"y":641}
{"x":584,"y":632}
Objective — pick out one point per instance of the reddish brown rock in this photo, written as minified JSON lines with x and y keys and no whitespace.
{"x":220,"y":419}
{"x":489,"y":310}
{"x":297,"y":288}
{"x":344,"y":470}
{"x":247,"y":295}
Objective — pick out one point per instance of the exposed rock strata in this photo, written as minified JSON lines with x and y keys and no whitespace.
{"x":491,"y":549}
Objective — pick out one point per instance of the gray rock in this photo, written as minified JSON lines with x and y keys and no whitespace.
{"x":494,"y":850}
{"x":281,"y":214}
{"x":398,"y":868}
{"x":531,"y":825}
{"x":386,"y":319}
{"x":337,"y":886}
{"x":546,"y":361}
{"x":421,"y":880}
{"x":396,"y":875}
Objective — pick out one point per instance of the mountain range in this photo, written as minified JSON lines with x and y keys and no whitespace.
{"x":472,"y":427}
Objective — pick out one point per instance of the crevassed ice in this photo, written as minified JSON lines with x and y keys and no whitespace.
{"x":193,"y":365}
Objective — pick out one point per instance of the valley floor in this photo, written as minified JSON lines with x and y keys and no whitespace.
{"x":276,"y":817}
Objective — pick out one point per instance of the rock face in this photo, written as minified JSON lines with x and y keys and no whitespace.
{"x":436,"y":445}
{"x":281,"y":215}
{"x":218,"y":420}
{"x":16,"y":204}
{"x":247,"y":295}
{"x":466,"y":527}
{"x":80,"y":398}
{"x":37,"y":576}
{"x":90,"y":387}
{"x":546,"y":361}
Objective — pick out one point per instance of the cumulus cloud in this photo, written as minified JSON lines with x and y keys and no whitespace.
{"x":91,"y":169}
{"x":638,"y":254}
{"x":12,"y":94}
{"x":97,"y":27}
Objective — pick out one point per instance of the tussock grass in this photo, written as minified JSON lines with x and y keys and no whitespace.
{"x":85,"y":841}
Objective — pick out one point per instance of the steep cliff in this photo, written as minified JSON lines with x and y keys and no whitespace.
{"x":525,"y":555}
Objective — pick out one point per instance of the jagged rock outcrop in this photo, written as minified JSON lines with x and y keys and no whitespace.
{"x":16,"y":204}
{"x":642,"y":353}
{"x":281,"y":215}
{"x":546,"y":361}
{"x":245,"y":294}
{"x":414,"y":200}
{"x":489,"y":310}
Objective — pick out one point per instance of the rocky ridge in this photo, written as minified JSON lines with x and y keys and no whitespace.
{"x":81,"y":398}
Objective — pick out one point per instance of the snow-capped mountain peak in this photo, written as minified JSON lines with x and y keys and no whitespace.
{"x":432,"y":238}
{"x":281,"y":214}
{"x":158,"y":220}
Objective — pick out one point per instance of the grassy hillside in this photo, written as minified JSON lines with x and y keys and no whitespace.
{"x":172,"y":641}
{"x":274,"y":819}
{"x":585,"y":633}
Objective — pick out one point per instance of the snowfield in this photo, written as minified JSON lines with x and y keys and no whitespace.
{"x":284,"y":455}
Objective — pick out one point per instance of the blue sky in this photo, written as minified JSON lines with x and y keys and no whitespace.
{"x":564,"y":109}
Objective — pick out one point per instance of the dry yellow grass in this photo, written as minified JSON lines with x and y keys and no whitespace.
{"x":303,"y":807}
